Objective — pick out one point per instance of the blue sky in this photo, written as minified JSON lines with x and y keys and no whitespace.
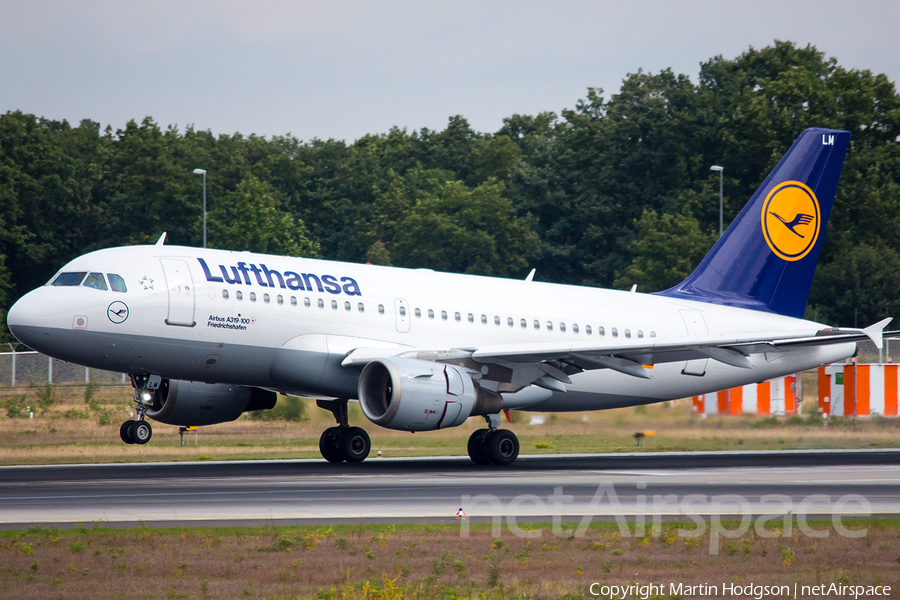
{"x":341,"y":69}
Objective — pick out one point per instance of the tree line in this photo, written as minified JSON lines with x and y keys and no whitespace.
{"x":613,"y":192}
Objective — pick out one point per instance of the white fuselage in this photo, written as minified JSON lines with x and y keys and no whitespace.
{"x":185,"y":321}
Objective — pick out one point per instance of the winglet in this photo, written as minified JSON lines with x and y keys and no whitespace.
{"x":874,"y":332}
{"x":530,"y":275}
{"x":161,"y":240}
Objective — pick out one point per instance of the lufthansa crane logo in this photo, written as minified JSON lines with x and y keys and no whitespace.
{"x":791,"y":220}
{"x":117,"y":312}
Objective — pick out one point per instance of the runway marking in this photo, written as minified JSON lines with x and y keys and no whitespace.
{"x":158,"y":494}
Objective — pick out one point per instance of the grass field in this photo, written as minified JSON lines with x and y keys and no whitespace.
{"x":405,"y":561}
{"x":67,"y":428}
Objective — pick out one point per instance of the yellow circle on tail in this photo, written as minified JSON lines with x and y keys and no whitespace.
{"x":791,"y":220}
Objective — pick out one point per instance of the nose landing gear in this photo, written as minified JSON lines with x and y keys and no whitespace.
{"x":138,"y":430}
{"x":342,"y":443}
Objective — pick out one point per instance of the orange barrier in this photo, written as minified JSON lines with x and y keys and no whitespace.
{"x":773,"y":397}
{"x":842,"y":389}
{"x":860,"y":390}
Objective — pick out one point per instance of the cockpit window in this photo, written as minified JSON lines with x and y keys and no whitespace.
{"x":65,"y":279}
{"x":116,"y":283}
{"x":96,"y":281}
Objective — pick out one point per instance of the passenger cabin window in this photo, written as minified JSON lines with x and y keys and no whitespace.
{"x":614,"y":332}
{"x":587,"y":329}
{"x":562,"y":326}
{"x":484,"y":319}
{"x":640,"y":333}
{"x":471,"y":318}
{"x":280,"y":299}
{"x":252,"y":296}
{"x":67,"y":279}
{"x":266,"y":298}
{"x":96,"y":281}
{"x":334,"y":305}
{"x":601,"y":330}
{"x":537,"y":324}
{"x":402,"y":311}
{"x":496,"y":320}
{"x":306,"y":302}
{"x":116,"y":283}
{"x":239,"y":295}
{"x":444,"y":315}
{"x":458,"y":317}
{"x":574,"y":327}
{"x":225,"y":294}
{"x":652,"y":334}
{"x":320,"y":303}
{"x":509,"y":321}
{"x":524,"y":323}
{"x":293,"y":300}
{"x":430,"y":314}
{"x":628,"y":333}
{"x":360,"y":307}
{"x":347,"y":306}
{"x":381,"y":309}
{"x":549,"y":326}
{"x":418,"y":312}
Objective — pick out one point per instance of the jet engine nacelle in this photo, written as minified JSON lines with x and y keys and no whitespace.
{"x":191,"y":403}
{"x":416,"y":395}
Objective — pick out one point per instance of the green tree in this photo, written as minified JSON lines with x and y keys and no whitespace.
{"x":47,"y":174}
{"x":249,"y":219}
{"x":5,"y":293}
{"x":612,"y":191}
{"x":858,"y":288}
{"x":668,"y":248}
{"x":468,"y":231}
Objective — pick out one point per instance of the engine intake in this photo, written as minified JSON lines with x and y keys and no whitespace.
{"x":192,"y":403}
{"x":417,"y":395}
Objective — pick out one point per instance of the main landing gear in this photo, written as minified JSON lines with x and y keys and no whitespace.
{"x":492,"y":445}
{"x":138,"y":430}
{"x":342,"y":443}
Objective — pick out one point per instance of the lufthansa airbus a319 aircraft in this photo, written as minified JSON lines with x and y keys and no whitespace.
{"x":207,"y":335}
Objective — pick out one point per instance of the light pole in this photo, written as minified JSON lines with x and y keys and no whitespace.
{"x":712,"y":168}
{"x":203,"y":172}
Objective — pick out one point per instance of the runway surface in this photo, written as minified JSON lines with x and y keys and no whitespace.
{"x":815,"y":483}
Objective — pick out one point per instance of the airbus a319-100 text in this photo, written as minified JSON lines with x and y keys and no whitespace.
{"x":207,"y":335}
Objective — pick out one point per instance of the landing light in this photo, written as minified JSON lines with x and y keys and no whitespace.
{"x":146,"y":396}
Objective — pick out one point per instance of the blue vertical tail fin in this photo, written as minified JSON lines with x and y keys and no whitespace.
{"x":767,"y":257}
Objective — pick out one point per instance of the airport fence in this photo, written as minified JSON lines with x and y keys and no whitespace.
{"x":22,"y":366}
{"x":18,"y":368}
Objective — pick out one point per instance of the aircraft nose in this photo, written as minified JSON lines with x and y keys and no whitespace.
{"x":33,"y":309}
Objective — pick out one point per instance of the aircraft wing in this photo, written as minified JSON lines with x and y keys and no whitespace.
{"x":628,"y":356}
{"x":552,"y":362}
